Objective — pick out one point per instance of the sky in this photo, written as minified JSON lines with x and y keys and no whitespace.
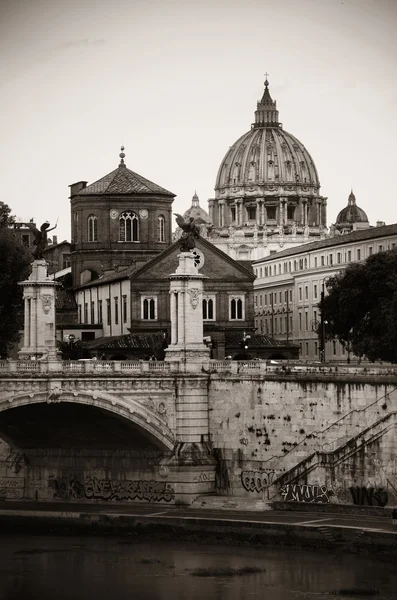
{"x":176,"y":82}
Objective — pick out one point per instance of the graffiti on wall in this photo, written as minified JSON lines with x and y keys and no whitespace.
{"x":306,"y":493}
{"x":107,"y":489}
{"x":203,"y":477}
{"x":11,"y":488}
{"x":256,"y":481}
{"x":369,"y":496}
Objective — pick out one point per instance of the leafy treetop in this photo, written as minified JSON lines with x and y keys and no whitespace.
{"x":5,"y":215}
{"x":360,"y":309}
{"x":14,"y":267}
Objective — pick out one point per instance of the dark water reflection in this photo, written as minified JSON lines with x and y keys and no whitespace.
{"x":64,"y":568}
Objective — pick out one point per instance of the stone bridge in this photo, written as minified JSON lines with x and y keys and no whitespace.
{"x":172,"y":431}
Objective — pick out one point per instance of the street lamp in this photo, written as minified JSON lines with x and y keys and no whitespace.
{"x":71,"y":340}
{"x":245,"y":338}
{"x":244,"y":343}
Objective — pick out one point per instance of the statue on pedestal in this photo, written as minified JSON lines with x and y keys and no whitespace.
{"x":190,"y":232}
{"x":40,"y":238}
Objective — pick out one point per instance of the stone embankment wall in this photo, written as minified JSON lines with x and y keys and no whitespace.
{"x":140,"y":440}
{"x":296,"y":433}
{"x":306,"y":436}
{"x":47,"y":474}
{"x":141,"y":475}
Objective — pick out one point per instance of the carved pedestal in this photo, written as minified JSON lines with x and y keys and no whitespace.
{"x":187,"y":331}
{"x":39,"y":325}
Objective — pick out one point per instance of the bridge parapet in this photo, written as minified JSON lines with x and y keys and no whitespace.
{"x":289,"y":369}
{"x":86,"y":366}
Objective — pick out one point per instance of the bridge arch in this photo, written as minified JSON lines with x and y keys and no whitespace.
{"x":130,"y":410}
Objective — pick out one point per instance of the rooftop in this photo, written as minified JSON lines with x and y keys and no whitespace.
{"x":337,"y":240}
{"x":123,"y":181}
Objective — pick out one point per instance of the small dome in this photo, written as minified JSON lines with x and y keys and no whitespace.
{"x":199,"y":214}
{"x":351,"y":214}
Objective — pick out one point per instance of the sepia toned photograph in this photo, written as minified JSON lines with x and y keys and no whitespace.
{"x":198,"y":300}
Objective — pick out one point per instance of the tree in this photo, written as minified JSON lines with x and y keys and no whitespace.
{"x":14,"y":267}
{"x":5,"y":215}
{"x":360,"y":309}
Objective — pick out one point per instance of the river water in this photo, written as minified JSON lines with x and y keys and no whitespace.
{"x":100,"y":568}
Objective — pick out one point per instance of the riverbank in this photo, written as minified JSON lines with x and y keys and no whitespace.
{"x":286,"y":528}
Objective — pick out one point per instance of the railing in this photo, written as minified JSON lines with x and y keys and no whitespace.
{"x":157,"y":365}
{"x":130,"y":366}
{"x":220,"y":365}
{"x":72,"y":366}
{"x":28,"y":365}
{"x":296,"y":369}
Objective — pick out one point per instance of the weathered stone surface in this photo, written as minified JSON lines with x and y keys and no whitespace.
{"x":333,"y":430}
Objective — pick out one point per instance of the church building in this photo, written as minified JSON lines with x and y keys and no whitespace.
{"x":122,"y":256}
{"x":267,"y":191}
{"x":119,"y":220}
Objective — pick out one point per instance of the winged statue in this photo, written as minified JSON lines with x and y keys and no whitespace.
{"x":40,"y":238}
{"x":190,"y":232}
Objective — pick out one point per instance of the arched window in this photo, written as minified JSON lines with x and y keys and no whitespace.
{"x":149,"y":309}
{"x":129,"y":227}
{"x":92,"y":228}
{"x":161,"y":229}
{"x":236,"y":308}
{"x":209,"y":308}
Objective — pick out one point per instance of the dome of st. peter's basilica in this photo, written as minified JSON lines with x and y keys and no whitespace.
{"x":267,"y":191}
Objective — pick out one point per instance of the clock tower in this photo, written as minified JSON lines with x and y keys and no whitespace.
{"x":120,"y":221}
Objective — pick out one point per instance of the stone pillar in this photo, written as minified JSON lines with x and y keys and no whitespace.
{"x":216,"y":213}
{"x":191,"y":465}
{"x":318,"y":213}
{"x":221,"y":205}
{"x":173,"y":318}
{"x":258,"y":212}
{"x":39,"y":323}
{"x":324,"y":212}
{"x":281,"y":212}
{"x":304,"y":213}
{"x":238,"y":222}
{"x":187,"y":315}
